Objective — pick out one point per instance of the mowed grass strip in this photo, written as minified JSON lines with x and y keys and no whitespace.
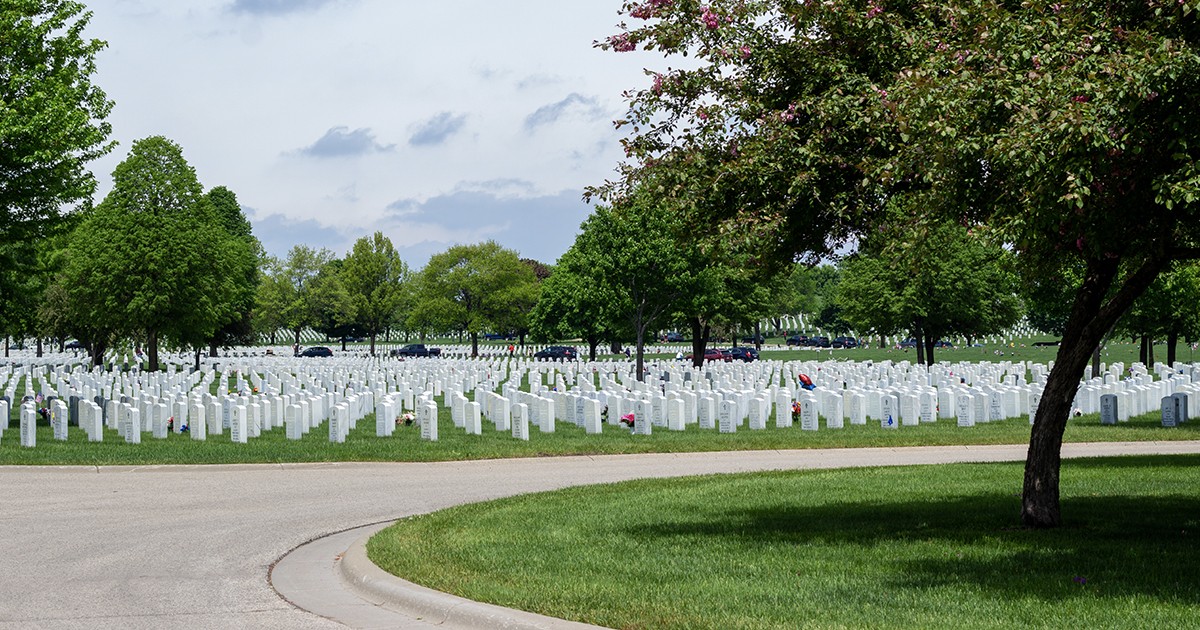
{"x":915,"y":547}
{"x":454,"y":444}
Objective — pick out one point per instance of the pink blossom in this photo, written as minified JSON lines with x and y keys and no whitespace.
{"x":622,"y":42}
{"x":873,"y":10}
{"x":702,"y":114}
{"x":745,"y":50}
{"x":1081,"y":98}
{"x":710,"y":19}
{"x":658,"y":83}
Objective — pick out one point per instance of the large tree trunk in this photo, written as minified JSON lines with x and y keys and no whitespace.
{"x":98,"y":349}
{"x":1091,"y":318}
{"x":1143,"y":350}
{"x":474,"y":345}
{"x":593,"y":342}
{"x":39,"y":347}
{"x":699,"y":340}
{"x":212,"y":348}
{"x":758,"y":335}
{"x":919,"y":334}
{"x":152,"y":350}
{"x":372,"y":344}
{"x":930,"y":343}
{"x":1172,"y":340}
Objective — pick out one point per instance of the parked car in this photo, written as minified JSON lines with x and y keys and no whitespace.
{"x":820,"y":342}
{"x":743,"y":354}
{"x":726,"y":355}
{"x":73,"y":344}
{"x":908,"y":343}
{"x":566,"y":353}
{"x":754,"y":339}
{"x":417,"y":350}
{"x":844,"y":342}
{"x":316,"y":351}
{"x":942,"y":343}
{"x":710,"y":354}
{"x":673,"y":337}
{"x":797,"y":340}
{"x":497,"y":336}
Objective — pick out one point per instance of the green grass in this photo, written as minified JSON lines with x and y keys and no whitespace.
{"x":454,"y":444}
{"x":914,"y":547}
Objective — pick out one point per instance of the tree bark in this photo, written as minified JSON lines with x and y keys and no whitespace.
{"x":212,"y":348}
{"x":1091,"y":318}
{"x":593,"y":343}
{"x":699,"y":341}
{"x":372,"y":344}
{"x":474,"y":344}
{"x":152,"y":350}
{"x":1172,"y":341}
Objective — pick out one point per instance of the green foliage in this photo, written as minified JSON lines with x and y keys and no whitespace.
{"x":152,"y":261}
{"x":573,"y":304}
{"x":374,"y":278}
{"x":632,"y":251}
{"x":245,"y":251}
{"x":51,"y":115}
{"x":473,"y":289}
{"x":932,"y":282}
{"x":285,"y":298}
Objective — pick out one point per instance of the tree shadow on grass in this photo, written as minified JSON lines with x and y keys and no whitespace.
{"x":1110,"y":546}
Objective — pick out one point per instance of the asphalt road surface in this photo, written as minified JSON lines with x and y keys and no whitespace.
{"x":192,"y":546}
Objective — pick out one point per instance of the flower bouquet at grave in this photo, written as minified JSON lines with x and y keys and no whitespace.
{"x":405,"y":419}
{"x":627,"y":420}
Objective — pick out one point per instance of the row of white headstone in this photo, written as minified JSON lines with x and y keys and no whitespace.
{"x":894,"y":395}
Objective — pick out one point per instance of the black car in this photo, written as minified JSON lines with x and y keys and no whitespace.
{"x":743,"y":354}
{"x":844,"y":342}
{"x":820,"y":342}
{"x":73,"y":345}
{"x":316,"y":351}
{"x":566,"y":353}
{"x":797,"y":340}
{"x":908,"y":343}
{"x":754,"y":339}
{"x":673,"y":337}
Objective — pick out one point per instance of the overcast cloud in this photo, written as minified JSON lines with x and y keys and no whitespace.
{"x":436,"y":123}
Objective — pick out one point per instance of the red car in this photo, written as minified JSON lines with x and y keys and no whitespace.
{"x":711,"y":354}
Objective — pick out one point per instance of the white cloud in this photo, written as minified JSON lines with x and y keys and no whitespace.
{"x":475,"y":116}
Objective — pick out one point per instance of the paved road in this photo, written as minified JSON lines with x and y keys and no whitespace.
{"x":175,"y":547}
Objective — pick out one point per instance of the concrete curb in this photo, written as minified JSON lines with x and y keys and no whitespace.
{"x":384,"y":589}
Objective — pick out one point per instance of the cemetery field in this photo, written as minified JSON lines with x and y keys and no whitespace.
{"x":924,"y":546}
{"x":363,"y":445}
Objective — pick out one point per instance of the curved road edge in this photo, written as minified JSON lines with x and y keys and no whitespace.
{"x":332,"y":576}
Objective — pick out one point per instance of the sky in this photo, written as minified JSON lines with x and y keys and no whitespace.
{"x":436,"y":123}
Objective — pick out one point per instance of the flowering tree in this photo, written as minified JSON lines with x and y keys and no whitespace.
{"x":1063,"y":127}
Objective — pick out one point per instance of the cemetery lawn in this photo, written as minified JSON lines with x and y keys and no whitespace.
{"x":362,"y":445}
{"x":911,"y":547}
